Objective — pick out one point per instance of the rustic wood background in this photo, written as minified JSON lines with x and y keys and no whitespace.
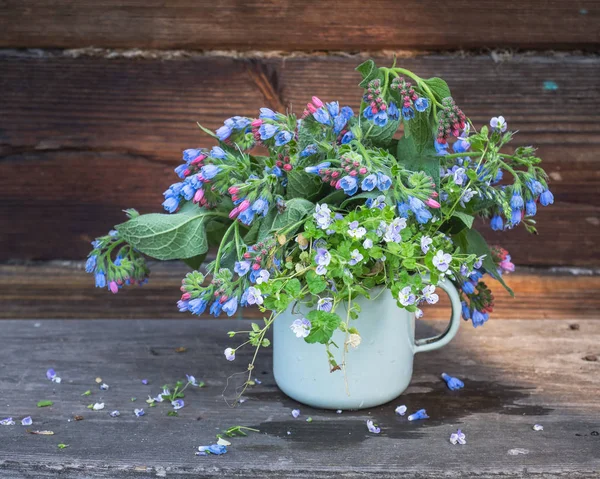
{"x":99,"y":98}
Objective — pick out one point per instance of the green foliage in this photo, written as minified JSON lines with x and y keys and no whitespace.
{"x":316,"y":284}
{"x":302,"y":185}
{"x":438,"y":87}
{"x":369,"y":71}
{"x":168,"y":236}
{"x":414,"y":159}
{"x":323,"y":326}
{"x":295,"y":210}
{"x":380,"y":135}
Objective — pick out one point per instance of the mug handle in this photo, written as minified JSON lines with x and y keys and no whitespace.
{"x":436,"y":342}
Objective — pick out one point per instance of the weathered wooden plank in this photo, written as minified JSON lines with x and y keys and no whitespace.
{"x":291,"y":26}
{"x":130,"y":119}
{"x":64,"y":291}
{"x":512,"y":381}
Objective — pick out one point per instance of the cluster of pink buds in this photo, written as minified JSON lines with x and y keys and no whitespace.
{"x":312,"y":106}
{"x":349,"y":166}
{"x":193,"y":166}
{"x":256,"y":124}
{"x":258,"y":253}
{"x":502,"y":259}
{"x":451,"y":121}
{"x":485,"y":298}
{"x":373,"y":97}
{"x":405,"y":90}
{"x":284,"y":162}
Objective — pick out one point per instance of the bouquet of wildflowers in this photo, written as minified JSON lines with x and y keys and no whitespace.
{"x":322,"y":207}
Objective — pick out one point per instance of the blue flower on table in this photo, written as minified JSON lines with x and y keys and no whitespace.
{"x":420,"y":414}
{"x":229,"y":354}
{"x":372,"y":427}
{"x":452,"y":383}
{"x":177,"y":404}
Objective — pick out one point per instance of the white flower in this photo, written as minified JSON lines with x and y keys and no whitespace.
{"x":27,"y":421}
{"x":301,"y":327}
{"x":429,"y":294}
{"x":406,"y":297}
{"x":425,"y":242}
{"x":139,"y":412}
{"x":442,"y":261}
{"x":458,"y":437}
{"x":354,"y":340}
{"x":355,"y":257}
{"x":538,"y":427}
{"x":98,"y":406}
{"x":56,"y":380}
{"x":229,"y":354}
{"x":372,"y":428}
{"x":418,"y":313}
{"x":401,"y":410}
{"x":367,"y":244}
{"x":263,"y":276}
{"x":115,"y":413}
{"x":322,"y":215}
{"x":7,"y":422}
{"x":356,"y":231}
{"x":104,"y":386}
{"x":296,"y":413}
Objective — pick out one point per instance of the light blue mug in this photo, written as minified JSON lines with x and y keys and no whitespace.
{"x":377,"y":371}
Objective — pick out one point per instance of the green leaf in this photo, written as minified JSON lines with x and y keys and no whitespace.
{"x":267,"y":224}
{"x":168,"y":236}
{"x":369,"y":71}
{"x":471,"y":242}
{"x":420,"y":130}
{"x":465,"y":218}
{"x":310,"y":133}
{"x":380,"y":135}
{"x":414,"y":160}
{"x":293,"y":288}
{"x":303,"y":185}
{"x":438,"y":87}
{"x":44,"y":403}
{"x":208,"y":132}
{"x":316,"y":283}
{"x":296,"y":209}
{"x":195,"y":261}
{"x":322,"y":326}
{"x":365,"y":195}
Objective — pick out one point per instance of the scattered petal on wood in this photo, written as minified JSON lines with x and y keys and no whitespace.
{"x":98,"y":380}
{"x":78,"y":418}
{"x":574,"y":326}
{"x":591,"y":357}
{"x":41,"y":433}
{"x":180,"y":349}
{"x":223,"y":442}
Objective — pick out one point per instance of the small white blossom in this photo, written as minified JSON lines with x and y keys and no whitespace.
{"x":429,"y":294}
{"x":425,"y":243}
{"x":406,"y":297}
{"x":229,"y":354}
{"x":98,"y":406}
{"x":401,"y":410}
{"x":367,"y":244}
{"x":538,"y":427}
{"x":442,"y":261}
{"x":458,"y":437}
{"x":354,"y":340}
{"x":301,"y":327}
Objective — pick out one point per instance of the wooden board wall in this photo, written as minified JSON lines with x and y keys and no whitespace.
{"x":98,"y":98}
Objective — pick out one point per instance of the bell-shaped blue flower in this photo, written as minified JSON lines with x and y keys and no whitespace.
{"x":421,"y":104}
{"x":383,"y":182}
{"x":197,"y":306}
{"x":516,"y":202}
{"x":347,"y":138}
{"x":369,"y":183}
{"x":452,"y":383}
{"x":408,"y":113}
{"x":393,"y":111}
{"x":347,"y":112}
{"x":218,"y":152}
{"x":191,"y":154}
{"x":322,"y":116}
{"x":333,"y":108}
{"x":283,"y":138}
{"x":380,"y":118}
{"x":546,"y":198}
{"x":530,"y":207}
{"x":208,"y":172}
{"x":230,"y":306}
{"x":420,"y":414}
{"x":171,"y":204}
{"x":349,"y":184}
{"x":267,"y":131}
{"x":496,"y":223}
{"x":224,"y":132}
{"x":368,"y":113}
{"x":267,"y":114}
{"x":314,"y":170}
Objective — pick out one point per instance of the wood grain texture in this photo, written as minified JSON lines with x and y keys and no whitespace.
{"x":512,"y":381}
{"x":290,"y":25}
{"x":64,"y":291}
{"x":83,"y":138}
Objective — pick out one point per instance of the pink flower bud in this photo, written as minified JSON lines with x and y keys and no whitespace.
{"x":432,"y":203}
{"x":434,"y":194}
{"x":337,"y":184}
{"x":198,"y":195}
{"x":185,"y":296}
{"x":114,"y":288}
{"x":247,"y":255}
{"x":234,"y":212}
{"x":317,"y":102}
{"x":233,"y":190}
{"x":287,"y":167}
{"x":243,"y":206}
{"x":507,"y":266}
{"x":311,"y":107}
{"x":199,"y":159}
{"x":223,"y":298}
{"x":335,"y":174}
{"x":256,"y":266}
{"x":256,"y":123}
{"x":362,"y":171}
{"x":353,"y":173}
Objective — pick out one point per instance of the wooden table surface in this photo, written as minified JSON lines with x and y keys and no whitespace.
{"x":516,"y":373}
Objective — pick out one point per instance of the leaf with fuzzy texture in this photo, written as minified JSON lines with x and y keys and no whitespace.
{"x":323,"y":325}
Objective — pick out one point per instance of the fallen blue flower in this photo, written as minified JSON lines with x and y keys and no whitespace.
{"x":420,"y":414}
{"x":452,"y":383}
{"x":212,"y":449}
{"x":27,"y":421}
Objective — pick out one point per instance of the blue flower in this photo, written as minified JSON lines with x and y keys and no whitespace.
{"x":423,"y":216}
{"x":197,"y":306}
{"x":380,"y":118}
{"x":347,"y":138}
{"x":183,"y":306}
{"x":441,"y":148}
{"x":415,"y":204}
{"x":468,"y":287}
{"x":100,"y":279}
{"x":260,"y":206}
{"x":460,"y":146}
{"x":333,"y":108}
{"x":368,"y":113}
{"x":230,"y":306}
{"x":247,"y":216}
{"x":218,"y":152}
{"x":315,"y":170}
{"x":224,"y":132}
{"x":322,"y":116}
{"x":191,"y":154}
{"x":452,"y":383}
{"x":420,"y":414}
{"x":177,"y":404}
{"x":546,"y":198}
{"x":421,"y":104}
{"x":369,"y":183}
{"x":208,"y":172}
{"x":171,"y":204}
{"x":479,"y":318}
{"x":535,"y":187}
{"x":347,"y":112}
{"x":339,"y":122}
{"x":90,"y":264}
{"x":349,"y":185}
{"x":241,"y":267}
{"x":383,"y":182}
{"x":393,"y":111}
{"x":515,"y":216}
{"x":212,"y":449}
{"x":530,"y":208}
{"x":180,"y":170}
{"x":173,"y":190}
{"x":516,"y":202}
{"x":496,"y":223}
{"x":408,"y":113}
{"x":498,"y":177}
{"x":267,"y":114}
{"x":215,"y":308}
{"x":282,"y":138}
{"x":466,"y":312}
{"x":254,"y":275}
{"x":267,"y":131}
{"x":309,"y":150}
{"x":188,"y":191}
{"x":403,"y":209}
